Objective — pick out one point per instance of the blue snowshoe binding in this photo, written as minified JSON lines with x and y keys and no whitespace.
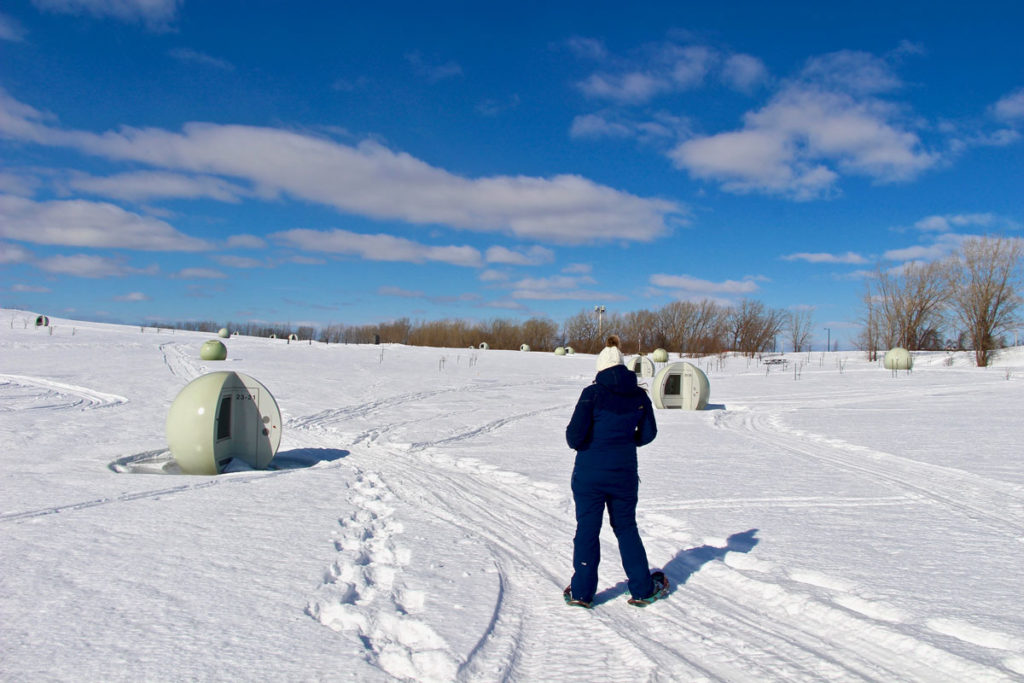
{"x":660,"y":590}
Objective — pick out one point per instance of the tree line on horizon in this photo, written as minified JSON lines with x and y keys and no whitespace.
{"x":963,"y":302}
{"x":689,"y":328}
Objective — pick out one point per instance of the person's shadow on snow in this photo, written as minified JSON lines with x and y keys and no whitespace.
{"x":686,"y":563}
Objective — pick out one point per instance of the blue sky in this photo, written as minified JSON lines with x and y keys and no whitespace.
{"x":314,"y":163}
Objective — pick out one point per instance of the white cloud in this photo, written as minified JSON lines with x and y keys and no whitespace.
{"x":30,"y":289}
{"x":494,"y":107}
{"x":11,"y":183}
{"x":378,"y":247}
{"x":816,"y":126}
{"x":858,"y":73}
{"x":13,"y":253}
{"x":240,"y":262}
{"x":398,"y":291}
{"x":744,"y":73}
{"x":613,"y":124}
{"x":1010,"y":107}
{"x":666,"y":68}
{"x":587,"y":48}
{"x":693,"y":285}
{"x":188,"y":55}
{"x":559,"y":287}
{"x":944,"y":245}
{"x":246,"y":242}
{"x":578,"y":268}
{"x":146,"y":185}
{"x":199,"y":274}
{"x":155,"y":14}
{"x":598,"y":126}
{"x":11,"y":29}
{"x":491,"y":275}
{"x":949,"y":221}
{"x":132,"y":296}
{"x":307,"y":260}
{"x":534,"y":256}
{"x":431,"y":70}
{"x":848,"y":257}
{"x":634,"y":87}
{"x":365,"y":179}
{"x":81,"y":223}
{"x":88,"y":266}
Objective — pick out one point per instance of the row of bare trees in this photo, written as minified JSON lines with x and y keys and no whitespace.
{"x":689,"y":327}
{"x":538,"y":333}
{"x":976,"y":293}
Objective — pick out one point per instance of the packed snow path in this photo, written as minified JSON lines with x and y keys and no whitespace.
{"x":832,"y":525}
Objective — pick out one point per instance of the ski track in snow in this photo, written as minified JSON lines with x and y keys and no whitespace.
{"x":741,"y":619}
{"x":26,"y":393}
{"x":202,"y":483}
{"x":998,"y":503}
{"x":178,"y":359}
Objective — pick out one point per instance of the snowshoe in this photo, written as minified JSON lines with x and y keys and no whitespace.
{"x":660,"y":590}
{"x":569,"y":600}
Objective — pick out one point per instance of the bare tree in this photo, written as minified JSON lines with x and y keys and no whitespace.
{"x":753,"y":327}
{"x":985,"y":283}
{"x":906,"y":305}
{"x":693,"y":328}
{"x":799,"y":323}
{"x":581,"y":332}
{"x":639,"y":331}
{"x":869,"y":338}
{"x":539,"y":334}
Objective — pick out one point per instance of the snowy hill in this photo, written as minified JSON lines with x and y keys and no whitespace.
{"x":826,"y":520}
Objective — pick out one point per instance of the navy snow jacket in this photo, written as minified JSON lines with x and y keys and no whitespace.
{"x":612,"y":417}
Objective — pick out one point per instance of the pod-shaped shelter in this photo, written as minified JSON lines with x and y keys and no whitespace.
{"x":641,"y":365}
{"x":223,"y":333}
{"x":220,"y":416}
{"x":213,"y":350}
{"x":42,"y":321}
{"x":898,"y":359}
{"x":681,"y":385}
{"x":560,"y":351}
{"x":659,"y":356}
{"x":484,"y":346}
{"x":524,"y":347}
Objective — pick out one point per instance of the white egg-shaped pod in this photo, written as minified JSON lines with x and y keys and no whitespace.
{"x":220,"y":416}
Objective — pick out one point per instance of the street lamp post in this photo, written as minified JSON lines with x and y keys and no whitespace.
{"x":828,"y":347}
{"x":600,"y":320}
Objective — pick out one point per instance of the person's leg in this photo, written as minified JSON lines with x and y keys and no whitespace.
{"x":586,"y":551}
{"x":622,"y":513}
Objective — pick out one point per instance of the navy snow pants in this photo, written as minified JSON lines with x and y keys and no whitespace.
{"x":592,"y":492}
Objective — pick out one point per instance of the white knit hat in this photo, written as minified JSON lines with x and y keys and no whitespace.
{"x":609,"y":357}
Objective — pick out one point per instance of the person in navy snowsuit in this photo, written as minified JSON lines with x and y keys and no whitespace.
{"x":612,"y":417}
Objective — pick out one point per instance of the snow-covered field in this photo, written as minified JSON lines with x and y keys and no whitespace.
{"x":823,"y":521}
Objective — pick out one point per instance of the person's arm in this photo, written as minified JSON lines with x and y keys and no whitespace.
{"x":648,"y":427}
{"x":577,"y":433}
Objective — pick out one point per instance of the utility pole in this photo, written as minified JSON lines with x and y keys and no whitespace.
{"x":600,"y":322}
{"x":828,"y":346}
